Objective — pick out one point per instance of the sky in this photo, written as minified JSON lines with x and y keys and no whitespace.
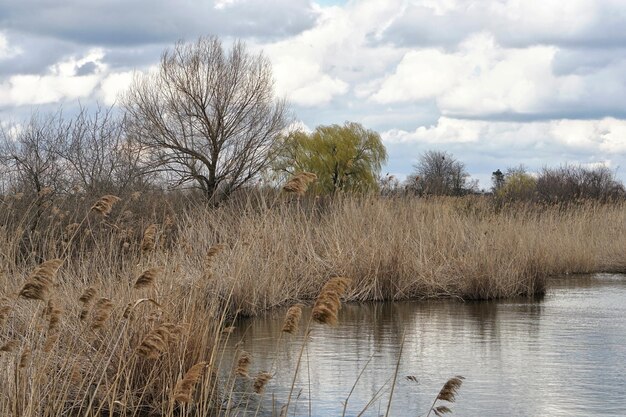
{"x":497,"y":83}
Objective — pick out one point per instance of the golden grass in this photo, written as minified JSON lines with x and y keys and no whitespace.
{"x":93,"y":344}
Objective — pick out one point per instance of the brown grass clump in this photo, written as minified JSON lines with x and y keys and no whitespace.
{"x":148,"y":242}
{"x":260,"y":381}
{"x":292,"y":319}
{"x":299,"y":183}
{"x":183,"y":392}
{"x":328,"y":302}
{"x":243,"y":363}
{"x":101,"y":312}
{"x":40,"y":280}
{"x":147,"y":278}
{"x":104,"y":206}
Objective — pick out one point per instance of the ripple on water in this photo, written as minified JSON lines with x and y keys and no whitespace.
{"x":562,"y":356}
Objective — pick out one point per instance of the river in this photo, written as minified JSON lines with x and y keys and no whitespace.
{"x":563,"y":355}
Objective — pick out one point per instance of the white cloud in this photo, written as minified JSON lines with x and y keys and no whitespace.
{"x":6,"y":50}
{"x":323,"y":62}
{"x":70,"y":79}
{"x":483,"y":79}
{"x":604,"y":136}
{"x":114,"y":84}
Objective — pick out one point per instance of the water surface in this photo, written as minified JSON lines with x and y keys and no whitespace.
{"x":564,"y":355}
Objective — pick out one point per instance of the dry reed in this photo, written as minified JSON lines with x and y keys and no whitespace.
{"x":25,"y":358}
{"x":292,"y":319}
{"x":447,"y":393}
{"x":9,"y":346}
{"x":85,"y":299}
{"x":299,"y":183}
{"x":41,"y":280}
{"x":157,"y":341}
{"x":243,"y":363}
{"x":4,"y":314}
{"x":101,"y":312}
{"x":183,"y":391}
{"x":328,"y":303}
{"x":260,"y":380}
{"x":104,"y":206}
{"x":148,"y":243}
{"x":147,"y":278}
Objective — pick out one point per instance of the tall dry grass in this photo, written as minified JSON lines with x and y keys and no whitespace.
{"x":92,"y":323}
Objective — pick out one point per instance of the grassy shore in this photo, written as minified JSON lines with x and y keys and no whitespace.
{"x":124,"y":348}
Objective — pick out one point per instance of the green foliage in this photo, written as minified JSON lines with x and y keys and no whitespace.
{"x":347,"y":157}
{"x":518,"y":186}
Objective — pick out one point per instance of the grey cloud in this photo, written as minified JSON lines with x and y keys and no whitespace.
{"x":581,"y":61}
{"x":420,"y":26}
{"x":87,"y":68}
{"x":117,"y":22}
{"x":37,"y":54}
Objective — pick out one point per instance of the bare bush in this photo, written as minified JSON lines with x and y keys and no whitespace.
{"x":569,"y":183}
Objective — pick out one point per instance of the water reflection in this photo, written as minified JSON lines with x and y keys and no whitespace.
{"x":562,"y":356}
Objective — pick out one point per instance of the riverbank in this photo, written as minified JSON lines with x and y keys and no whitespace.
{"x":139,"y":299}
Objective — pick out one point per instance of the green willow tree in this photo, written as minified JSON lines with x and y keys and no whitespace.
{"x":347,"y":158}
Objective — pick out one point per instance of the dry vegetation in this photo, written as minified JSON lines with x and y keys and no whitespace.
{"x":103,"y":310}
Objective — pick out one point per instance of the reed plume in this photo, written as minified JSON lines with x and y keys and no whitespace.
{"x":104,"y":206}
{"x":85,"y":299}
{"x":328,"y":302}
{"x":69,"y":231}
{"x":147,"y":278}
{"x":183,"y":392}
{"x":4,"y":314}
{"x":260,"y":381}
{"x":9,"y":346}
{"x":45,"y":191}
{"x":25,"y":358}
{"x":243,"y":363}
{"x":292,"y":319}
{"x":40,"y":280}
{"x":53,"y":311}
{"x":51,"y":339}
{"x":299,"y":183}
{"x":130,"y":307}
{"x":101,"y":312}
{"x":448,"y":393}
{"x":148,"y":242}
{"x":156,"y":341}
{"x":213,"y":251}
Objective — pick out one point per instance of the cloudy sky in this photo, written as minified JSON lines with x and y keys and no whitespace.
{"x":497,"y":83}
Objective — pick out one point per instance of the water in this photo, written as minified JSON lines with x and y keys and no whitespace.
{"x":564,"y":355}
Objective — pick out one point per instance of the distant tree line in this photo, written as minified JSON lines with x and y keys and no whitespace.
{"x":208,"y":119}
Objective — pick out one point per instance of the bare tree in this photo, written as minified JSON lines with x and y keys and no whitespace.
{"x":31,"y":151}
{"x":101,"y":156}
{"x":208,"y":116}
{"x":439,"y":173}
